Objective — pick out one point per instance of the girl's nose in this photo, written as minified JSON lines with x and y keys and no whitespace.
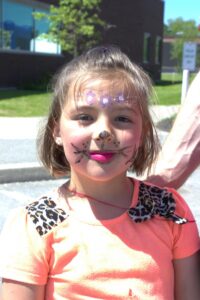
{"x":104,"y":136}
{"x":104,"y":133}
{"x":105,"y":139}
{"x":102,"y":129}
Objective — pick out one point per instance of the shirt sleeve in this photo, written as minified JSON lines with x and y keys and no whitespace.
{"x":180,"y":154}
{"x":186,"y":236}
{"x":23,"y":252}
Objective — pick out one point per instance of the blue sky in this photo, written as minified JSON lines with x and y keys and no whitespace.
{"x":187,"y":9}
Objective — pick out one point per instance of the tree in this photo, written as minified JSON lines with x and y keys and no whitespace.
{"x":74,"y":24}
{"x":5,"y":38}
{"x":182,"y":31}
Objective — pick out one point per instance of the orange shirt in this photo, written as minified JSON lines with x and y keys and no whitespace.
{"x":110,"y":259}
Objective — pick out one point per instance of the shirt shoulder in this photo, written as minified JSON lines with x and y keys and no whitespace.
{"x":46,"y":214}
{"x":154,"y":201}
{"x":26,"y":240}
{"x":167,"y":204}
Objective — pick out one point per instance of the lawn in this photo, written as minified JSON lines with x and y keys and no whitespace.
{"x":23,"y":103}
{"x":168,"y":95}
{"x":168,"y":90}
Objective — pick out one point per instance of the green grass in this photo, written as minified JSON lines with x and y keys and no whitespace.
{"x":24,"y":103}
{"x":168,"y":90}
{"x":167,"y":94}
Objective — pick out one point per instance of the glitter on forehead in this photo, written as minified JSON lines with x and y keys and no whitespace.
{"x":120,"y":98}
{"x":91,"y":98}
{"x":104,"y":100}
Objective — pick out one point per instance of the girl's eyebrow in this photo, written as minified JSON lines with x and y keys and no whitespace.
{"x":85,"y":107}
{"x":127,"y":109}
{"x":117,"y":107}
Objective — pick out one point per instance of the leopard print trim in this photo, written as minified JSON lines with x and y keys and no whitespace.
{"x":154,"y":201}
{"x":151,"y":201}
{"x":45,"y":214}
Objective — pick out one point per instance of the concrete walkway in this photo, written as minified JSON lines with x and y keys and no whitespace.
{"x":18,"y":159}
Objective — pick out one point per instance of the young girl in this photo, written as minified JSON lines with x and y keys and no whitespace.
{"x":101,"y":235}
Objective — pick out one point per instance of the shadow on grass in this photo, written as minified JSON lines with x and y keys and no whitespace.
{"x":14,"y":93}
{"x":167,"y":82}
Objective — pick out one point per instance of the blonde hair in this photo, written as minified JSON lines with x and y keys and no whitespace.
{"x":104,"y":62}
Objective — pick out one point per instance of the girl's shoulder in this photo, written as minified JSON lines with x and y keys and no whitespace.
{"x":153,"y":201}
{"x":46,"y":213}
{"x":38,"y":217}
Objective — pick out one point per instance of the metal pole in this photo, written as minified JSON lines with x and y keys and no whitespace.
{"x":185,"y":84}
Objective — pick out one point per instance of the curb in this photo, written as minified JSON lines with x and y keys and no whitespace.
{"x":23,"y":172}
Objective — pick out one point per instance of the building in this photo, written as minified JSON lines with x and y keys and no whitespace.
{"x":134,"y":25}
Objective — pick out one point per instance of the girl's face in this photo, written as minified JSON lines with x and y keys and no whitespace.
{"x":100,"y":131}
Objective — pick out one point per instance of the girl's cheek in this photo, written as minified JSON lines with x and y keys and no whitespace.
{"x":76,"y":142}
{"x":130,"y":138}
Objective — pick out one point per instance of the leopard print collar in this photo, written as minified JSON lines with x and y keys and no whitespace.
{"x":152,"y":201}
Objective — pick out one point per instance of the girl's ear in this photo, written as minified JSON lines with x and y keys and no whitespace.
{"x":58,"y":141}
{"x":56,"y":135}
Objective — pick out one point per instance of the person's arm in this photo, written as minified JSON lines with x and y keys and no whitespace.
{"x":24,"y":257}
{"x":180,"y":154}
{"x":14,"y":290}
{"x":187,"y":278}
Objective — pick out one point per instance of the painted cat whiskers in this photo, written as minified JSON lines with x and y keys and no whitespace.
{"x":84,"y":152}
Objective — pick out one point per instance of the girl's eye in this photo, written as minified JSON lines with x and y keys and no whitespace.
{"x":123,"y":119}
{"x":84,"y":117}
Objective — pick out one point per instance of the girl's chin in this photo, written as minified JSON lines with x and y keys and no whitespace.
{"x":100,"y":171}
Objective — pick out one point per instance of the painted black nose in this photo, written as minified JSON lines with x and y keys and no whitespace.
{"x":104,"y":135}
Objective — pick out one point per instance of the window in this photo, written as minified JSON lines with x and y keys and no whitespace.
{"x":18,"y":23}
{"x":20,"y":31}
{"x":158,"y":50}
{"x":146,"y":47}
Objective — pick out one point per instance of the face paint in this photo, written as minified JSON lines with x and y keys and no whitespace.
{"x":82,"y":152}
{"x":106,"y":137}
{"x":104,"y":100}
{"x":100,"y":129}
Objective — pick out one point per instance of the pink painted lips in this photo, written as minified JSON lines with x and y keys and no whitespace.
{"x":102,"y":157}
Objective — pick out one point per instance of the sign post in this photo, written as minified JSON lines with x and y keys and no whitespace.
{"x":188,"y":64}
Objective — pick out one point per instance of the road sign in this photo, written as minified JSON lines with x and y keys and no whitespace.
{"x":189,"y":56}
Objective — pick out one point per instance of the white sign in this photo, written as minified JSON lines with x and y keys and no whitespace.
{"x":44,"y":46}
{"x":189,"y":56}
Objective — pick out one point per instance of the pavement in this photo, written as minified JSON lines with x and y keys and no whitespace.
{"x":18,"y":159}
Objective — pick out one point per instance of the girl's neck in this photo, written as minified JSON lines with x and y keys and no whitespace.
{"x":101,"y":189}
{"x":106,"y":200}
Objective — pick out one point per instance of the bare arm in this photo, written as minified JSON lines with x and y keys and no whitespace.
{"x":180,"y":154}
{"x":15,"y":290}
{"x":187,"y":278}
